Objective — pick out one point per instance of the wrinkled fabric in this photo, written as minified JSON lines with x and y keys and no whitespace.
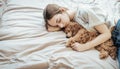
{"x":25,"y":43}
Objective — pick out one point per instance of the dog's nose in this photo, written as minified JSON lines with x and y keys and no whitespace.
{"x":67,"y":37}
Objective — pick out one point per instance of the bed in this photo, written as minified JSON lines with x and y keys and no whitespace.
{"x":25,"y":43}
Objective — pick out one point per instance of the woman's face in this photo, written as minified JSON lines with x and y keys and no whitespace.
{"x":60,"y":20}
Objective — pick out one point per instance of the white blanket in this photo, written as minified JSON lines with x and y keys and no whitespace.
{"x":25,"y":43}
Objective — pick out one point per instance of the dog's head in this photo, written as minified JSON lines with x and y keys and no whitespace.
{"x":71,"y":29}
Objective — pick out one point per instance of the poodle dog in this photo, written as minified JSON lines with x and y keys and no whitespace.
{"x":76,"y":33}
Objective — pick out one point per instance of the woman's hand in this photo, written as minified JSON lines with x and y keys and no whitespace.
{"x":79,"y":47}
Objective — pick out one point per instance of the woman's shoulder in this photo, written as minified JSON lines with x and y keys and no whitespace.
{"x":88,"y":8}
{"x":82,"y":8}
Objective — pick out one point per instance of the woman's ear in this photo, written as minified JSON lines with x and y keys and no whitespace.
{"x":62,"y":9}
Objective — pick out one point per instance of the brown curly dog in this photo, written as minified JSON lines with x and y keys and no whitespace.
{"x":76,"y":33}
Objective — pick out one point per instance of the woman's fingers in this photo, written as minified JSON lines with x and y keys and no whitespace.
{"x":75,"y":46}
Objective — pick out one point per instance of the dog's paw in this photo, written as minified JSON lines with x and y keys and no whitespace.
{"x":70,"y":42}
{"x":104,"y":55}
{"x":113,"y":55}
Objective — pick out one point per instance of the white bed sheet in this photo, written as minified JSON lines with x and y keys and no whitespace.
{"x":25,"y":43}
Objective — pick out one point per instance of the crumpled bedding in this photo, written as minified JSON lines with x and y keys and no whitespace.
{"x":25,"y":43}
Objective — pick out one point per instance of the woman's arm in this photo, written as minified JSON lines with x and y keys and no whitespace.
{"x":105,"y":34}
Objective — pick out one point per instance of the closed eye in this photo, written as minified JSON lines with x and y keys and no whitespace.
{"x":58,"y":20}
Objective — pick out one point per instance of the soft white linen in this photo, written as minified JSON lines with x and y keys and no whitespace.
{"x":25,"y":44}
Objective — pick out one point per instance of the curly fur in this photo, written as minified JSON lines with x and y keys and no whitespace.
{"x":76,"y":33}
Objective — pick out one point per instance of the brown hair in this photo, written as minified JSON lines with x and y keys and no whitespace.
{"x":49,"y":12}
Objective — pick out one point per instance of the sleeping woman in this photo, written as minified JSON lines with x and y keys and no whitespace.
{"x":91,"y":18}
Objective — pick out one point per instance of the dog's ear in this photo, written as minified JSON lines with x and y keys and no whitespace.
{"x":69,"y":29}
{"x":74,"y":29}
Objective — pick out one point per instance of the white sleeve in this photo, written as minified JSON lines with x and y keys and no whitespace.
{"x":90,"y":17}
{"x":96,"y":17}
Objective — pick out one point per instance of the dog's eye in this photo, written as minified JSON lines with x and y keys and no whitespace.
{"x":68,"y":31}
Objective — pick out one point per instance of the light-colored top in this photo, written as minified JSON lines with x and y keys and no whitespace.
{"x":91,"y":16}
